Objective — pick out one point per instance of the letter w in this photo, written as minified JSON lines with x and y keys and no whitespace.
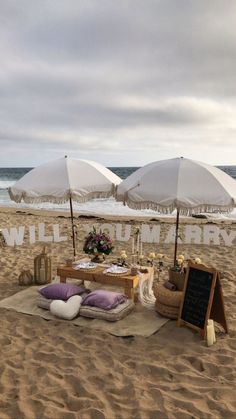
{"x":14,"y":236}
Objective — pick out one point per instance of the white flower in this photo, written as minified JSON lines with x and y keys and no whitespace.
{"x":123,"y":254}
{"x":180,"y":261}
{"x":151,"y":255}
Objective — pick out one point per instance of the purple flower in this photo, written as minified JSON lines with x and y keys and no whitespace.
{"x":95,"y":242}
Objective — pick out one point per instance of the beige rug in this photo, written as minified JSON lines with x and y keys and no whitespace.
{"x":141,"y":322}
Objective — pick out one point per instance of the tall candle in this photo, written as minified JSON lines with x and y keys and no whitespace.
{"x":141,"y":248}
{"x":132,"y":246}
{"x":210,"y":335}
{"x":138,"y":243}
{"x":211,"y":323}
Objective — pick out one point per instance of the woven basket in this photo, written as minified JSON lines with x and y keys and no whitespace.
{"x":166,"y":296}
{"x":177,"y":278}
{"x":167,"y":311}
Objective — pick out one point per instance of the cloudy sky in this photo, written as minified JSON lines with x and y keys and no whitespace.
{"x":121,"y":82}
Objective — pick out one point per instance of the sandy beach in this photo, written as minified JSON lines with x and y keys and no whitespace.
{"x":53,"y":369}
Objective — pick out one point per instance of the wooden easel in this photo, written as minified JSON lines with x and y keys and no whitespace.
{"x":217,"y":308}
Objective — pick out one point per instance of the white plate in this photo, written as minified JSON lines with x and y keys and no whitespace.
{"x":86,"y":265}
{"x":116,"y":270}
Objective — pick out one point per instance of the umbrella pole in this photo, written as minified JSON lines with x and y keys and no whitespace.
{"x":176,"y":236}
{"x":72,"y":225}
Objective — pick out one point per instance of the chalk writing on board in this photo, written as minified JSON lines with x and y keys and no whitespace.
{"x":197,"y":296}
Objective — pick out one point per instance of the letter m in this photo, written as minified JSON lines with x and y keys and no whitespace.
{"x":150,"y":235}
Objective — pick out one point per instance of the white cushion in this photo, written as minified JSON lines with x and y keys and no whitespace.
{"x":66,"y":310}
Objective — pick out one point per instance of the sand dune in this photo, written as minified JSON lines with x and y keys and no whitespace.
{"x":49,"y":370}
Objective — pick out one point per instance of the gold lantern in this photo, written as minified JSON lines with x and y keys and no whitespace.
{"x":42,"y":268}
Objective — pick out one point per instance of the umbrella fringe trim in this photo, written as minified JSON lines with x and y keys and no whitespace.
{"x":62,"y":200}
{"x":182,"y":210}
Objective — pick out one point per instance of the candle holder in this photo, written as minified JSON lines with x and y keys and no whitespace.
{"x":133,"y":270}
{"x":122,"y":262}
{"x":140,"y":260}
{"x":42,"y":268}
{"x":133,"y":259}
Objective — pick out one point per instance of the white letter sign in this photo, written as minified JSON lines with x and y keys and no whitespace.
{"x":15,"y":236}
{"x":148,"y":235}
{"x":193,"y":234}
{"x":42,"y":237}
{"x":56,"y":234}
{"x":211,"y":234}
{"x":126,"y":236}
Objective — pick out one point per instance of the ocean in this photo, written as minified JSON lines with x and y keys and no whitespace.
{"x":8,"y":176}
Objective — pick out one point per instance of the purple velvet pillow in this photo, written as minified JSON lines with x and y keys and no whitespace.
{"x":104,"y":299}
{"x":61,"y":291}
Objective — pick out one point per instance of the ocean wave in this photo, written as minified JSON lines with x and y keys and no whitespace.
{"x":4,"y":184}
{"x":8,"y":177}
{"x":104,"y":207}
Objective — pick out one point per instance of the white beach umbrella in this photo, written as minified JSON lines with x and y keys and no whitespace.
{"x":63,"y":180}
{"x":186,"y":185}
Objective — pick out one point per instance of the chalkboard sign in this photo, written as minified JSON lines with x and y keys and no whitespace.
{"x":198,"y":295}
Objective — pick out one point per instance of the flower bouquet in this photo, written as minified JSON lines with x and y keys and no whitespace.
{"x":97,"y":244}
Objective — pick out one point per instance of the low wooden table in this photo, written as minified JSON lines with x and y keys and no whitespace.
{"x":128,"y":282}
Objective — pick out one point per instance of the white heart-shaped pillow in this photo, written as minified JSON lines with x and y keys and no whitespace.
{"x":66,"y":310}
